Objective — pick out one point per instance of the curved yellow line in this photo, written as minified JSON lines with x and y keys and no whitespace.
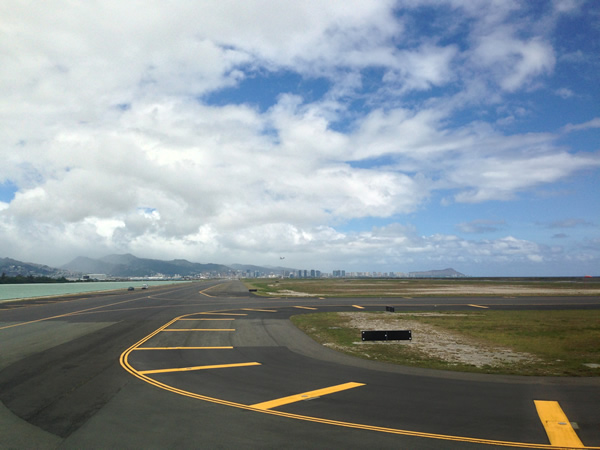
{"x":125,"y":364}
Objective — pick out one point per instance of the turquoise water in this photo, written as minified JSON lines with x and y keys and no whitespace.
{"x":16,"y":291}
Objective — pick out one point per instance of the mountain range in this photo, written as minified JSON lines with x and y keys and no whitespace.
{"x":127,"y":265}
{"x":131,"y":266}
{"x":444,"y":273}
{"x":11,"y":268}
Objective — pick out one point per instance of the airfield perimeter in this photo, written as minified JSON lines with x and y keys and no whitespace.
{"x":208,"y":365}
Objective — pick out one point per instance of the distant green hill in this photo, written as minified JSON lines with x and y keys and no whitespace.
{"x":12,"y":268}
{"x":445,"y":273}
{"x":128,"y":265}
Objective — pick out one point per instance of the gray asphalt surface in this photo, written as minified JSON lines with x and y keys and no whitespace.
{"x":62,"y":384}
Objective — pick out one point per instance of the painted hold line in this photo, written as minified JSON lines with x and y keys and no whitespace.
{"x":188,"y":369}
{"x":305,"y":396}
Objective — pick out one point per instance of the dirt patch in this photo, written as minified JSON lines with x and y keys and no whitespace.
{"x":287,"y":292}
{"x":438,"y":343}
{"x":405,"y":289}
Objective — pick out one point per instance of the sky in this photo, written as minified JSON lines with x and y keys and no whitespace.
{"x":379,"y":136}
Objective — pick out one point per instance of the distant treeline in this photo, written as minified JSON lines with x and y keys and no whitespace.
{"x":20,"y":279}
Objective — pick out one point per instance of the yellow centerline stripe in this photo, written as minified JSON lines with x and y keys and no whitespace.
{"x":187,"y":369}
{"x":305,"y":396}
{"x":479,"y":306}
{"x":557,"y":426}
{"x":183,"y":348}
{"x":68,"y":314}
{"x":304,"y":307}
{"x":201,"y":329}
{"x":358,"y":307}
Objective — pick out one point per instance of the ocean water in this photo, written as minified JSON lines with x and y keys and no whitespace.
{"x":17,"y":291}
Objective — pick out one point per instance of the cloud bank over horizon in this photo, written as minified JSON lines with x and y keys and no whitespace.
{"x":366,"y":136}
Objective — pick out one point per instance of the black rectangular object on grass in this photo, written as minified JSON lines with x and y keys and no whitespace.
{"x":387,"y":335}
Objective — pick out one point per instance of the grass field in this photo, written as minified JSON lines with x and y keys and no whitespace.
{"x":542,"y":343}
{"x":406,"y":287}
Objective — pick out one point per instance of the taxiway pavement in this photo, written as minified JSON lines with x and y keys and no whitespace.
{"x":207,"y":365}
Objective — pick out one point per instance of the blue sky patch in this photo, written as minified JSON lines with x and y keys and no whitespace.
{"x":7,"y":191}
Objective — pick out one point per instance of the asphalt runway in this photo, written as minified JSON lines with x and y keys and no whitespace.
{"x":207,"y":365}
